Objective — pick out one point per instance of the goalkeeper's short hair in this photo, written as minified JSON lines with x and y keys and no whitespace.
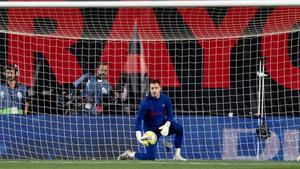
{"x":154,"y":81}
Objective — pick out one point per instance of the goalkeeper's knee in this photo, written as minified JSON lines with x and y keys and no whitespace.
{"x":150,"y":156}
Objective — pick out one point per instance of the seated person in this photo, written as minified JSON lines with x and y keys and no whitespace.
{"x":12,"y":94}
{"x":95,"y":91}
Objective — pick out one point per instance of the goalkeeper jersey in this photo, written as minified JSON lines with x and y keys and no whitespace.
{"x":154,"y":112}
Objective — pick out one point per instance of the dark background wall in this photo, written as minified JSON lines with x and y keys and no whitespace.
{"x":175,"y":50}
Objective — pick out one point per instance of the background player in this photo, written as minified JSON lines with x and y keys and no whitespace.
{"x":13,"y":95}
{"x":96,"y":91}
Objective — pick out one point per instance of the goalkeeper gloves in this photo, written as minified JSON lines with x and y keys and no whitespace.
{"x":140,"y":138}
{"x":165,"y":128}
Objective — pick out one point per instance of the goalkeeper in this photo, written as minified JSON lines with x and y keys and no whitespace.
{"x":157,"y":115}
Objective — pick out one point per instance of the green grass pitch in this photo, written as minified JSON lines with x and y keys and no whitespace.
{"x":134,"y":164}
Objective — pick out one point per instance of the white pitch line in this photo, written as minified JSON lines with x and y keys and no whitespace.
{"x":110,"y":162}
{"x":143,"y":162}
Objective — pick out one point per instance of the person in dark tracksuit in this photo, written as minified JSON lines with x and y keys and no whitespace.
{"x":156,"y":112}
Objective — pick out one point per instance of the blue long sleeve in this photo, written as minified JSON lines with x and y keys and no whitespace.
{"x":169,"y":110}
{"x":81,"y":79}
{"x":140,"y":116}
{"x":154,"y":113}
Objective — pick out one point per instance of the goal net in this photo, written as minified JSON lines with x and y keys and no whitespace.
{"x":232,"y":73}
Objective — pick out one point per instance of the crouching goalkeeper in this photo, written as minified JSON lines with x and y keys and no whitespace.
{"x":156,"y":113}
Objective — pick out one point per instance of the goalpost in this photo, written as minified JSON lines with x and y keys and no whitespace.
{"x":231,"y":69}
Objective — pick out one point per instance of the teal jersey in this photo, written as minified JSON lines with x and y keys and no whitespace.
{"x":12,"y":98}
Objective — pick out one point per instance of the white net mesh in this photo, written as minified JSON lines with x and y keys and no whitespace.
{"x":207,"y":60}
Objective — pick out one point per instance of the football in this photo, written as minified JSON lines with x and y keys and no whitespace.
{"x":150,"y":137}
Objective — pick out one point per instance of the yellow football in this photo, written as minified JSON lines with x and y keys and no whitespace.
{"x":150,"y":137}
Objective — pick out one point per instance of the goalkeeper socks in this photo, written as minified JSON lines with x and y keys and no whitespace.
{"x":177,"y":151}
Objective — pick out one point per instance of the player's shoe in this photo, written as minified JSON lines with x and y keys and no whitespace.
{"x":179,"y":158}
{"x":125,"y":155}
